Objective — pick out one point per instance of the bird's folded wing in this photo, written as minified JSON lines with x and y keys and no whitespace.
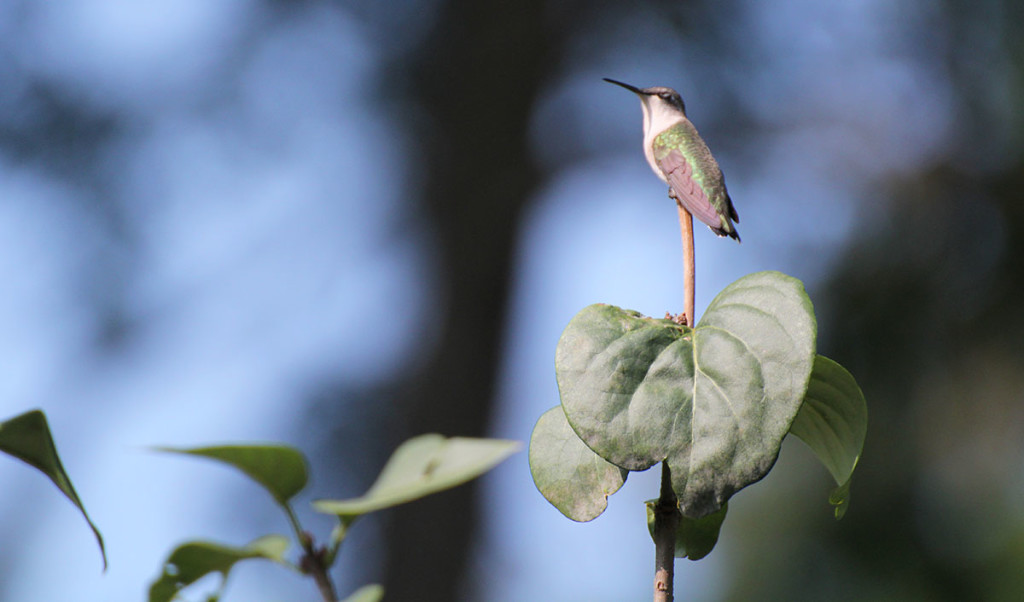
{"x":679,"y":174}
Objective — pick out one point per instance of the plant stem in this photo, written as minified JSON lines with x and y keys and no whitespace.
{"x":325,"y":585}
{"x":666,"y":522}
{"x":312,"y":562}
{"x":689,"y":278}
{"x":666,"y":509}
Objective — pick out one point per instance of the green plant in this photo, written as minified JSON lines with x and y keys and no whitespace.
{"x":27,"y":437}
{"x":711,"y":403}
{"x":420,"y":466}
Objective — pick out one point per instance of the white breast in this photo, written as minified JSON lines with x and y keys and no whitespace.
{"x":658,"y":117}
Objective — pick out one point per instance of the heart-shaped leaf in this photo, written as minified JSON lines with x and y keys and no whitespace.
{"x":194,"y":560}
{"x":280,"y":469}
{"x":567,"y":472}
{"x":421,"y":466}
{"x":27,"y":437}
{"x":714,"y":402}
{"x":833,"y":422}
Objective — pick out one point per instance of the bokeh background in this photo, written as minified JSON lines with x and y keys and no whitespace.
{"x":341,"y":224}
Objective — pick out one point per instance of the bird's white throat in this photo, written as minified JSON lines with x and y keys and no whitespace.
{"x":658,"y":117}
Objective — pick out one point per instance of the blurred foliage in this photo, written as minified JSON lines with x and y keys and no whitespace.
{"x":925,"y":308}
{"x":933,"y":333}
{"x":421,"y":466}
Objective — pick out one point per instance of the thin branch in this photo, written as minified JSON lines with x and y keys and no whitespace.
{"x":313,"y":564}
{"x":666,"y":522}
{"x":666,"y":509}
{"x":314,"y":559}
{"x":689,"y":278}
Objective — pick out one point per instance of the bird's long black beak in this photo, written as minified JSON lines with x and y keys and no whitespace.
{"x":632,"y":89}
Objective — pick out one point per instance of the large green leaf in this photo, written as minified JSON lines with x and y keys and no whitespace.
{"x":27,"y":437}
{"x":423,"y":465}
{"x":567,"y":472}
{"x":833,"y":421}
{"x":695,"y":537}
{"x":714,"y":402}
{"x":194,"y":560}
{"x":280,"y":469}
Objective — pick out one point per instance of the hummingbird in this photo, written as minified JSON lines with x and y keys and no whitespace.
{"x":680,"y":157}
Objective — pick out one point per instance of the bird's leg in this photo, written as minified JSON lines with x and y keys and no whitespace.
{"x":672,"y":195}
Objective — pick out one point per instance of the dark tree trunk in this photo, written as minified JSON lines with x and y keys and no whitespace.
{"x":476,"y":78}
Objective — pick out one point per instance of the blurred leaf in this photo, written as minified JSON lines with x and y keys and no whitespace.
{"x":567,"y":472}
{"x":27,"y":437}
{"x":280,"y":469}
{"x":833,"y":422}
{"x":714,"y":402}
{"x":194,"y":560}
{"x":421,"y":466}
{"x":367,"y":593}
{"x":695,"y":537}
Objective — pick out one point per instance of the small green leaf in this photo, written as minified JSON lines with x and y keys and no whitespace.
{"x":367,"y":593}
{"x":194,"y":560}
{"x":833,"y":422}
{"x":714,"y":401}
{"x":421,"y":466}
{"x":27,"y":437}
{"x":567,"y":472}
{"x":695,"y":537}
{"x":280,"y":469}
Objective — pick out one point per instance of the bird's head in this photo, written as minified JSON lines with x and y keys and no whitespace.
{"x":660,"y":104}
